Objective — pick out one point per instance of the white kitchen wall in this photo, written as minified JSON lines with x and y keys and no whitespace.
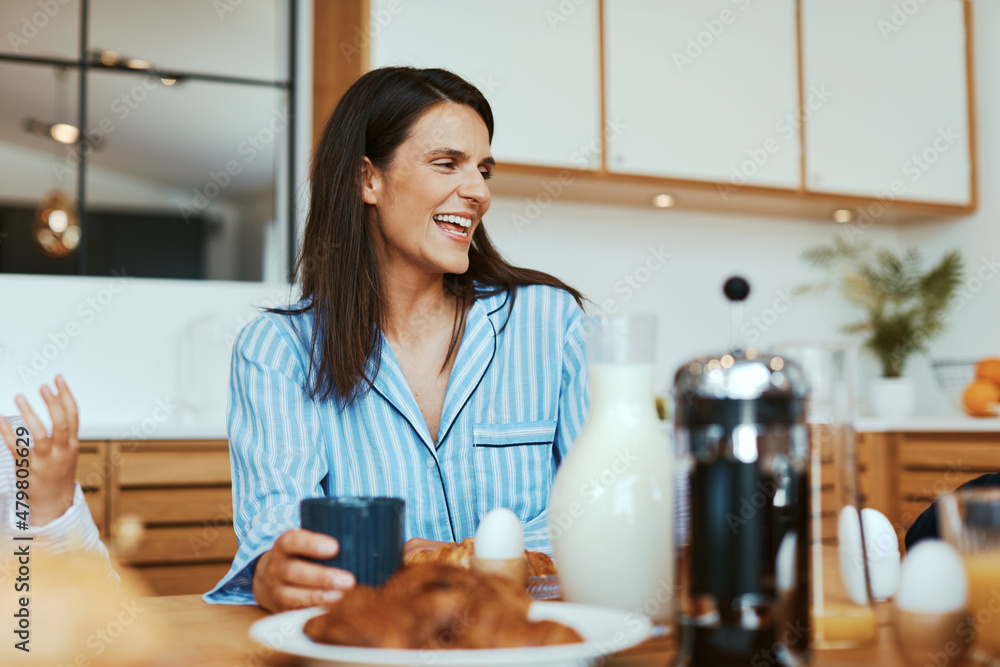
{"x":130,"y":346}
{"x":674,"y":263}
{"x":163,"y":346}
{"x":974,"y":326}
{"x":139,"y":354}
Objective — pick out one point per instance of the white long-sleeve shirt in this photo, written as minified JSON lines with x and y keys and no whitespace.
{"x":73,"y":531}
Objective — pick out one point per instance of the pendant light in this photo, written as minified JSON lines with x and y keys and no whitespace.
{"x":56,"y":227}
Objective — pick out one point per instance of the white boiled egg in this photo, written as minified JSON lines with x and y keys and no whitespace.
{"x":500,"y":535}
{"x":933,"y":579}
{"x":881,"y":549}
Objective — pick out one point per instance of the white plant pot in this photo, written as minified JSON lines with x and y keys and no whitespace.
{"x":892,"y":397}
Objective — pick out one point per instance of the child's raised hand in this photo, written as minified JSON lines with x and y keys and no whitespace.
{"x":52,"y":457}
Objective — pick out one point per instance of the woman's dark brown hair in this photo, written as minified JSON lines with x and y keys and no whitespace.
{"x":338,"y":268}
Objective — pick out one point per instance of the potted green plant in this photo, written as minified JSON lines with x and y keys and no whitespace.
{"x":904,"y":308}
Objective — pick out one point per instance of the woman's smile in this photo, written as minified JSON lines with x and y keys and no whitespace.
{"x":455,"y":225}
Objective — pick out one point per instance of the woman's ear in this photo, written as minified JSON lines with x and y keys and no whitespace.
{"x":371,"y":183}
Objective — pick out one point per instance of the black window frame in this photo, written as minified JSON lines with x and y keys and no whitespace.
{"x":85,"y":62}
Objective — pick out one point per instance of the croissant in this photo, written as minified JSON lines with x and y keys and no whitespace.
{"x":435,"y":606}
{"x":460,"y":555}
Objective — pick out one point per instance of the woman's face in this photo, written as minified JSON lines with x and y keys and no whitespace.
{"x":433,"y":195}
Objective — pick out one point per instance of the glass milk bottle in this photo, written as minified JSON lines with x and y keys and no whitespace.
{"x":611,"y":510}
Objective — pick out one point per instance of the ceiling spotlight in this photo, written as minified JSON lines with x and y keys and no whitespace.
{"x":168,"y":80}
{"x":109,"y":58}
{"x":664,"y":201}
{"x":843,"y":215}
{"x":115,"y":59}
{"x":64,"y":133}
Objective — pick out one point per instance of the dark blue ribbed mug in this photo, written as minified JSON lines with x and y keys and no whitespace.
{"x":369,"y":530}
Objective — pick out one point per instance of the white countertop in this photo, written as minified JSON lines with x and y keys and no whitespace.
{"x":956,"y":423}
{"x":942,"y":423}
{"x":160,"y":432}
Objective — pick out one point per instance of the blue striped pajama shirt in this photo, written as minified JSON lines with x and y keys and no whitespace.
{"x":515,"y":402}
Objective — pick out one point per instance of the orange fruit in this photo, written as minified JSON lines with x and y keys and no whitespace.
{"x":989,"y":369}
{"x":980,"y":398}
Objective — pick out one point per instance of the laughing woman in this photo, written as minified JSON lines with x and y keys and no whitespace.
{"x":419,"y":364}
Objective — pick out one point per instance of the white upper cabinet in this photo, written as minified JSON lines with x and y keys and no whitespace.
{"x":538,"y":63}
{"x":896,"y":120}
{"x":703,"y":90}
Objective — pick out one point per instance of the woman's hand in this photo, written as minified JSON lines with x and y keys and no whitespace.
{"x":52,"y":458}
{"x":415,"y":544}
{"x":285,"y":580}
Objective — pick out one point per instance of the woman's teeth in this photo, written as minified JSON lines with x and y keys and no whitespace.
{"x":454,"y":231}
{"x":454,"y":219}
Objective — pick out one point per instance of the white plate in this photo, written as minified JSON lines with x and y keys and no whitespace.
{"x":603,"y":629}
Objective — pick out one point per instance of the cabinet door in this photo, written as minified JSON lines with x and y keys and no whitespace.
{"x":703,"y":90}
{"x":896,"y":121}
{"x":536,"y":62}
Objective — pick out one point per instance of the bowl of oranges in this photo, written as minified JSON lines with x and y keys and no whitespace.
{"x":974,"y":386}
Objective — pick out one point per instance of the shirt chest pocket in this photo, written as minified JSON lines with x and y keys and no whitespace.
{"x":514,"y":466}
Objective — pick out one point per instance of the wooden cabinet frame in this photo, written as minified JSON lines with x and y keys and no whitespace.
{"x":901,"y":473}
{"x":181,"y":491}
{"x":341,"y":55}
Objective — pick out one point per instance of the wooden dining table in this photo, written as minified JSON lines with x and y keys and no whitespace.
{"x":197,"y":633}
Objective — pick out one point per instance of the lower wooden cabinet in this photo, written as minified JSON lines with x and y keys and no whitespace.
{"x":180,"y":492}
{"x":901,"y":473}
{"x":92,"y":472}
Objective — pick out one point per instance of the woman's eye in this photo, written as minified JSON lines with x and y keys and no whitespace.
{"x":487,"y":175}
{"x":448,"y":164}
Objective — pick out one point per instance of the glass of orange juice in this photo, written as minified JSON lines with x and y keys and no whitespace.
{"x":841,"y":610}
{"x":969,"y":520}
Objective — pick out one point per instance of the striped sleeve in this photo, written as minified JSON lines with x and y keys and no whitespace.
{"x":273,"y":434}
{"x":574,"y":400}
